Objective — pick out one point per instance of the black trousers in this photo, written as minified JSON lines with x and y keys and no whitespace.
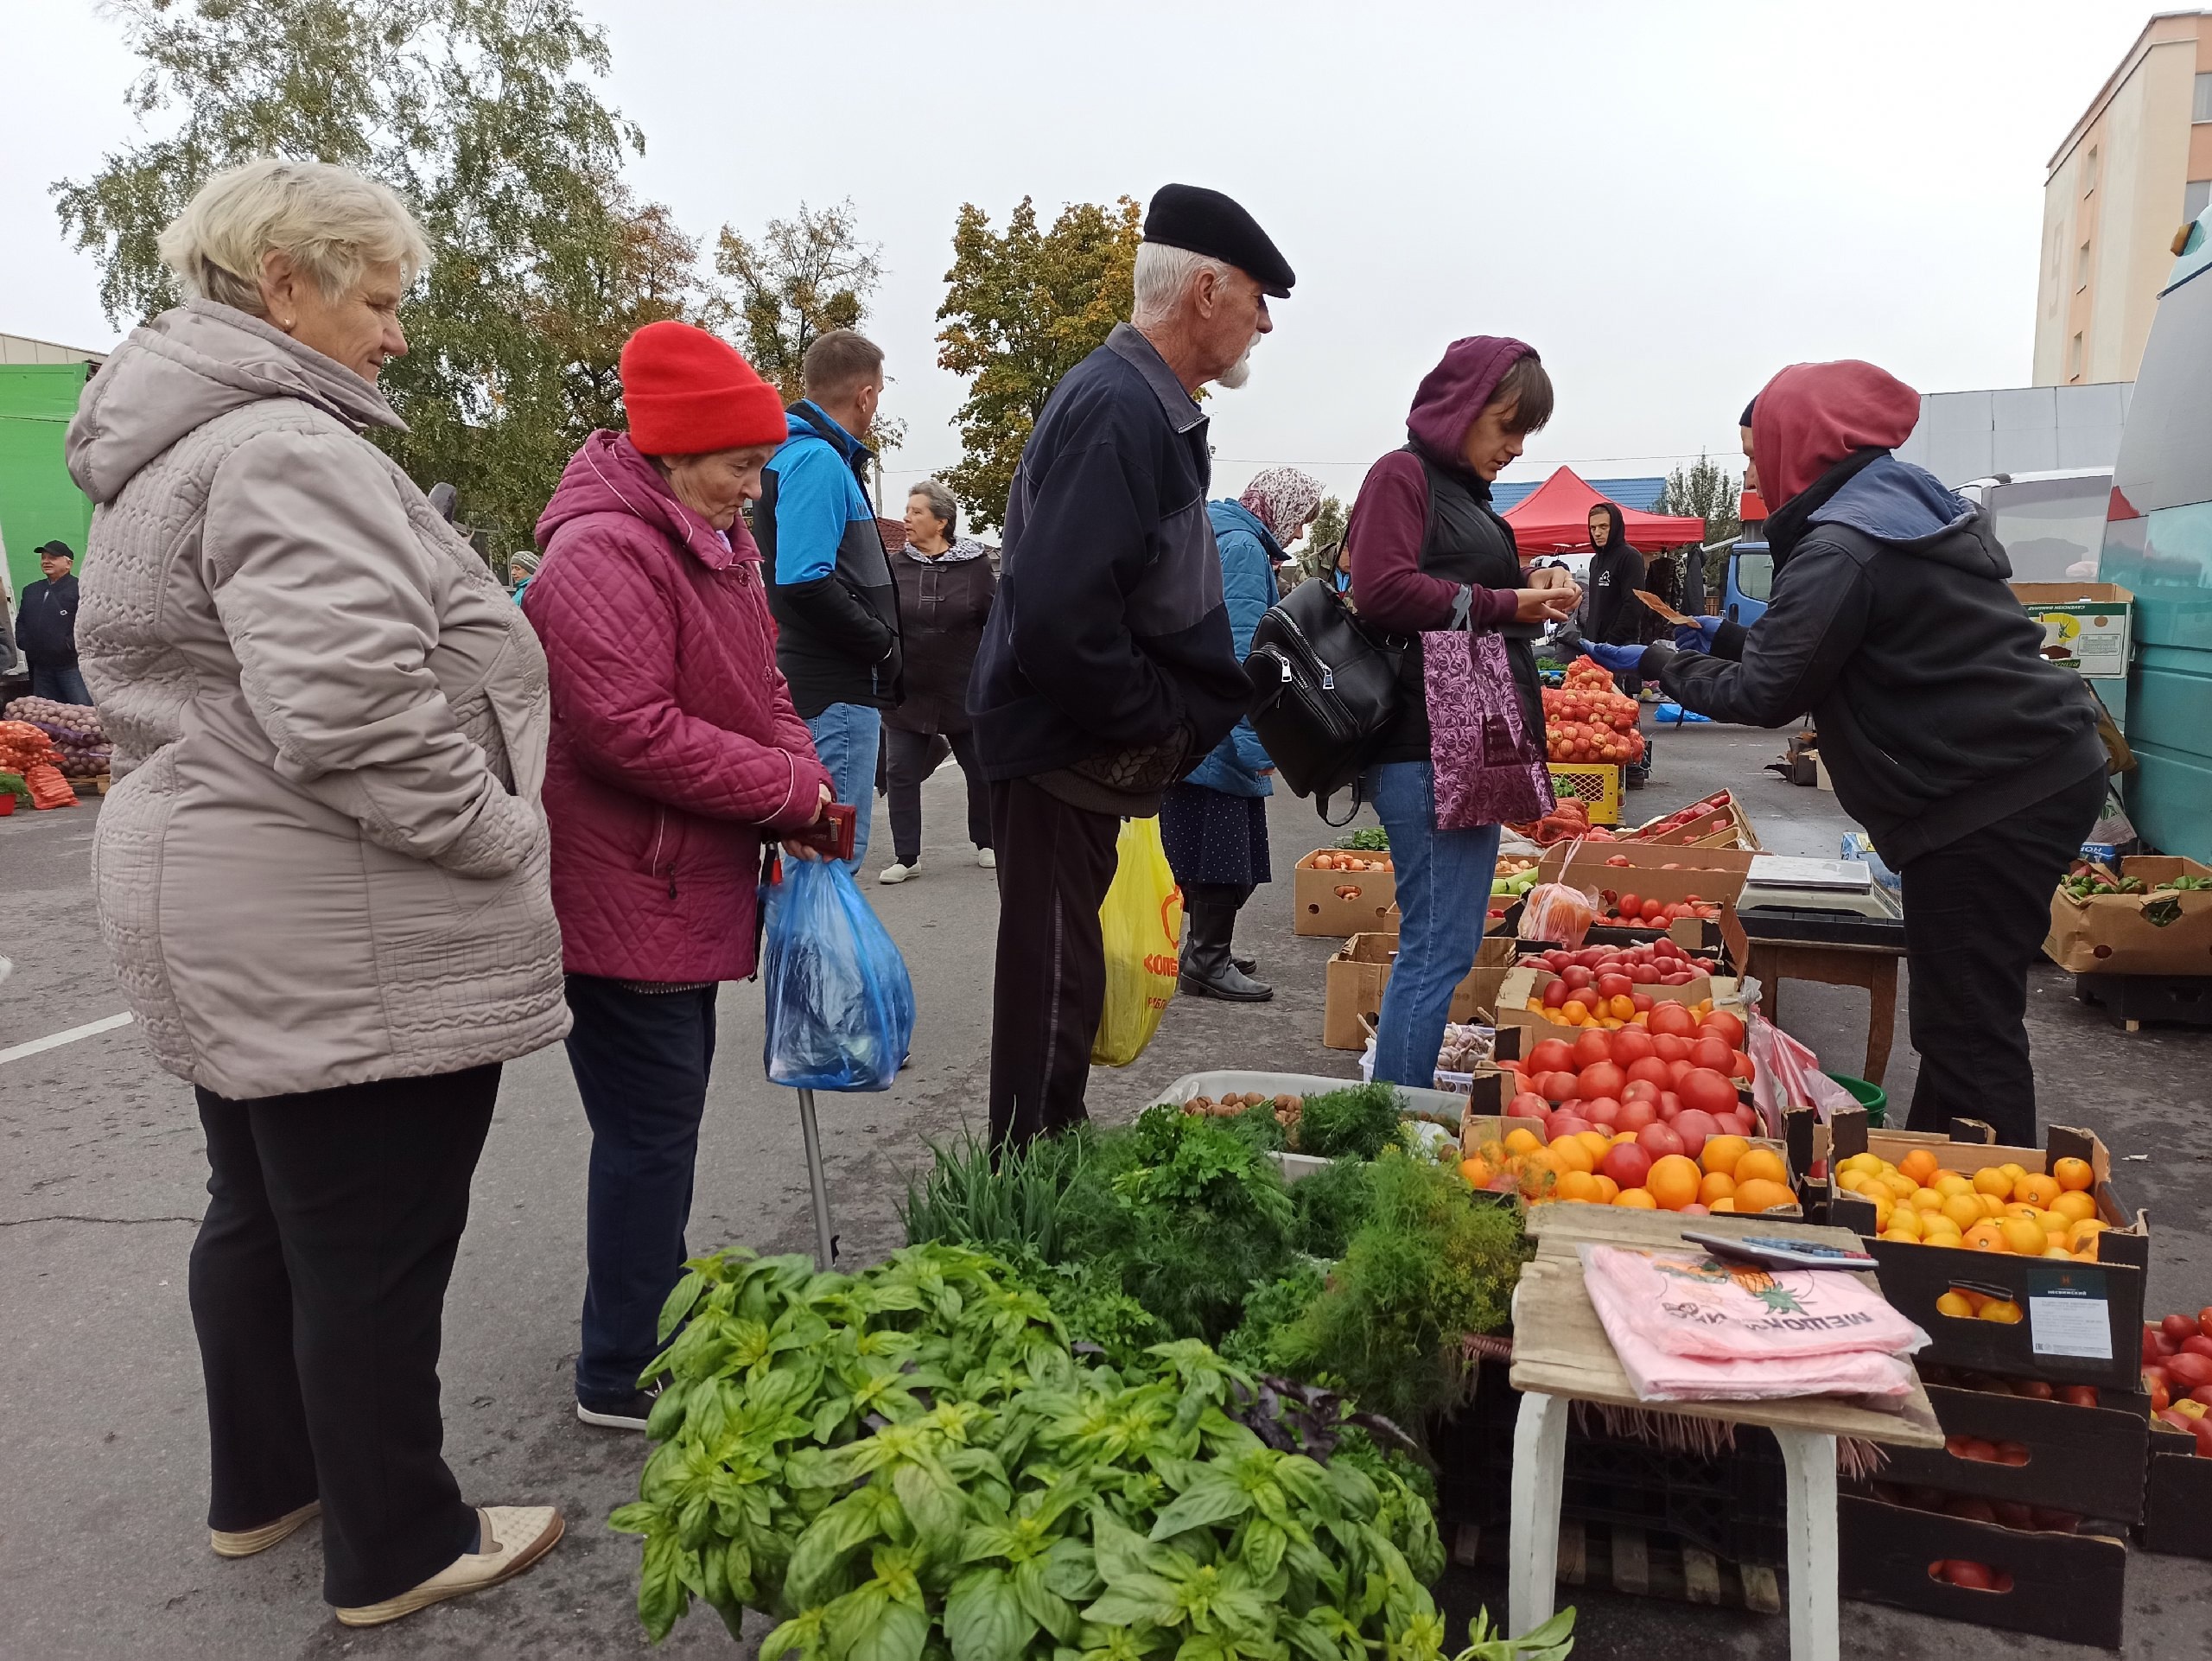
{"x":641,"y":1061}
{"x":909,"y":765}
{"x":1055,"y":864}
{"x":318,"y":1284}
{"x":1975,"y":915}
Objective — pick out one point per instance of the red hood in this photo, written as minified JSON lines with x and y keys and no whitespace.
{"x":610,"y":475}
{"x":1813,"y":415}
{"x":1453,"y":393}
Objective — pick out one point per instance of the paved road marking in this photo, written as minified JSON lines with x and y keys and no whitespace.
{"x":55,"y":1040}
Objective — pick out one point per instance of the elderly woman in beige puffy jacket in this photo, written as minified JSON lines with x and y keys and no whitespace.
{"x":323,"y":869}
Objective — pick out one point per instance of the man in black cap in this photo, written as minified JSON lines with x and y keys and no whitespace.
{"x":46,"y":628}
{"x":1107,"y":671}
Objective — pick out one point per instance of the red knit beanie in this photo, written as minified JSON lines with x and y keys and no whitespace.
{"x":687,"y":393}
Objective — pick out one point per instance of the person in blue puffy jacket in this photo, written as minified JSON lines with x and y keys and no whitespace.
{"x":1214,"y":824}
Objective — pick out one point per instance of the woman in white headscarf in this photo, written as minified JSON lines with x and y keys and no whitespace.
{"x":1215,"y":823}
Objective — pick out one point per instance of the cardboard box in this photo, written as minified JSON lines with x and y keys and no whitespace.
{"x":2176,"y":1496}
{"x":1707,"y":874}
{"x":1820,"y":779}
{"x":2085,"y":1459}
{"x":1352,"y":986}
{"x":2085,"y":626}
{"x":2148,"y":933}
{"x":1727,"y":826}
{"x":2070,"y":1586}
{"x":1518,"y":986}
{"x":1320,"y":909}
{"x":2048,"y":1344}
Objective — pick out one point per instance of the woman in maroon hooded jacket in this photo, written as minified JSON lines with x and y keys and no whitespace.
{"x":1426,"y":552}
{"x":675,"y":749}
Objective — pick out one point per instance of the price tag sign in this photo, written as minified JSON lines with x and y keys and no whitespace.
{"x":2068,"y":1314}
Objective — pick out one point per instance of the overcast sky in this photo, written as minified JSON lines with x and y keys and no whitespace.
{"x":1669,"y":202}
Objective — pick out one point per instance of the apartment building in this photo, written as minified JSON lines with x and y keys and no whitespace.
{"x":2135,"y":167}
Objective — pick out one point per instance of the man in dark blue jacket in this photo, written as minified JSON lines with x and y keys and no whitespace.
{"x":46,"y":628}
{"x":829,"y":583}
{"x":1107,"y":671}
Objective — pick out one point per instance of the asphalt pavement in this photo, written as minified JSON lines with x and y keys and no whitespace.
{"x":103,"y":1455}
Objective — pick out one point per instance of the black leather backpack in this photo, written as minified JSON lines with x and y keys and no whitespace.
{"x":1327,"y":688}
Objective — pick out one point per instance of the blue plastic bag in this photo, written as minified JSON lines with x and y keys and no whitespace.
{"x":841,"y":1005}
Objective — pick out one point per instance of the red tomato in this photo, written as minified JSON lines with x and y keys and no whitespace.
{"x":1707,"y":1090}
{"x":1695,"y":1127}
{"x":1595,"y":1045}
{"x":1644,"y":975}
{"x":1670,"y":1105}
{"x":1553,"y":1055}
{"x":1671,"y":1020}
{"x":1554,"y":995}
{"x":1631,"y":1045}
{"x":1578,"y":975}
{"x":1556,"y":1087}
{"x":1635,"y":1116}
{"x":1742,"y":1068}
{"x":1630,"y":907}
{"x":1668,"y":1046}
{"x":1564,"y":1123}
{"x":1659,"y":1141}
{"x":1602,"y":1078}
{"x":1712,"y":1053}
{"x":1722,"y":1025}
{"x":1604,"y":1114}
{"x":1527,"y":1105}
{"x":2204,"y":1320}
{"x":1640,"y":1090}
{"x":1675,"y":1071}
{"x":2177,"y":1327}
{"x":1641,"y":1002}
{"x":1650,"y":1071}
{"x":1627,"y":1164}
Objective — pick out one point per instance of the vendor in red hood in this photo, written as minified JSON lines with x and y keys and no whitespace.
{"x":1973,"y":761}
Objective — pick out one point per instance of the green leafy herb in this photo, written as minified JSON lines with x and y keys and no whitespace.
{"x":1329,"y":1206}
{"x":1356,"y":1123}
{"x":1424,"y":1268}
{"x":911,"y":1463}
{"x":1009,"y":1202}
{"x":1368,"y":839}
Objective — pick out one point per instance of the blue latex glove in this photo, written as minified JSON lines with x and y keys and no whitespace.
{"x":1621,"y":659}
{"x":1697,"y":636}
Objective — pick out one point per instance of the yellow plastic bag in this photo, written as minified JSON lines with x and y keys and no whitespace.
{"x":1142,"y":922}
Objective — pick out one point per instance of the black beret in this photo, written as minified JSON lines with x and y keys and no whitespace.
{"x":1206,"y":222}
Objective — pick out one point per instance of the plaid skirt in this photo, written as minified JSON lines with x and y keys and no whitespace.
{"x":1214,"y":837}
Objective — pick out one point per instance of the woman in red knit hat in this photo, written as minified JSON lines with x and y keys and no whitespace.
{"x":674,"y":753}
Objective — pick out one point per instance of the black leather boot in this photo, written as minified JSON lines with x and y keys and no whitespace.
{"x":1206,"y":972}
{"x":1244,"y":965}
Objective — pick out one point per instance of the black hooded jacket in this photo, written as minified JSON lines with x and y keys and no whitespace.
{"x":1890,"y":621}
{"x":1611,"y":615}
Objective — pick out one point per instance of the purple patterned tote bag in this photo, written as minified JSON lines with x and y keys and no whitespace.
{"x":1489,"y":768}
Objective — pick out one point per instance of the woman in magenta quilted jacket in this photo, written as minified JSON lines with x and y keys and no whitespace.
{"x":675,"y":752}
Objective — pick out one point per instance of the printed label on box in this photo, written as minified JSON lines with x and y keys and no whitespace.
{"x":2068,"y":1314}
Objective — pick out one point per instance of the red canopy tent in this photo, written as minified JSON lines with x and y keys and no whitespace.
{"x":1555,"y":519}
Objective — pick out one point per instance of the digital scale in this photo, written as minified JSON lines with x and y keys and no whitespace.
{"x":1818,"y":901}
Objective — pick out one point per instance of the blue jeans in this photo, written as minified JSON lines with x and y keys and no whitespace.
{"x":1444,"y":879}
{"x":847,"y":737}
{"x":62,"y":682}
{"x":641,"y":1060}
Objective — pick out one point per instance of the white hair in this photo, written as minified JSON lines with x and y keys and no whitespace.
{"x":1163,"y":276}
{"x":332,"y":222}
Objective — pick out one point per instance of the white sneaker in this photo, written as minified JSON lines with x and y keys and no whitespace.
{"x":894,"y":872}
{"x":511,"y":1539}
{"x":986,"y":859}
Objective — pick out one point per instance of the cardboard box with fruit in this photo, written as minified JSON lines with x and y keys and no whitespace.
{"x":2177,"y":1355}
{"x":1717,"y":822}
{"x":1993,"y":1299}
{"x":1339,"y":891}
{"x":2150,"y":916}
{"x":1352,"y":985}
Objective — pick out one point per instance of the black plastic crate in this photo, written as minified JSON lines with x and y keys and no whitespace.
{"x":2130,"y":1000}
{"x":1731,"y":1504}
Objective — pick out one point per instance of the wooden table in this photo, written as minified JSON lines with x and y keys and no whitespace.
{"x":1562,"y":1355}
{"x":1872,"y":967}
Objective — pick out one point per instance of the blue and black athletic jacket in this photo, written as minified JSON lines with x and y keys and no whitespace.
{"x":829,"y":583}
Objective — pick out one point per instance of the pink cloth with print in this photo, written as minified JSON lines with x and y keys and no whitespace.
{"x":1686,"y":1325}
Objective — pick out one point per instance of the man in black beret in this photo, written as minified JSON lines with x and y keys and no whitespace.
{"x":1107,"y":671}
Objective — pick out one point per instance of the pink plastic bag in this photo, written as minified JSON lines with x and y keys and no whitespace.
{"x":1558,"y":912}
{"x":1789,"y":1075}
